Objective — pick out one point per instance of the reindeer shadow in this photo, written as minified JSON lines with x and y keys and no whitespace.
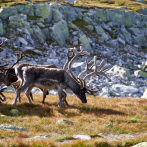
{"x":46,"y":110}
{"x":90,"y":110}
{"x":26,"y":109}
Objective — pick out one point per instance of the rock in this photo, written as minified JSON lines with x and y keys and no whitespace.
{"x":57,"y":16}
{"x":76,"y":42}
{"x":142,"y":11}
{"x":25,"y":9}
{"x":21,"y":42}
{"x":63,"y":121}
{"x":44,"y":11}
{"x":14,"y":112}
{"x":112,"y":43}
{"x":53,"y":61}
{"x":37,"y":33}
{"x":121,"y":71}
{"x":126,"y":35}
{"x":83,"y":137}
{"x":71,"y":13}
{"x":5,"y":12}
{"x":28,"y":36}
{"x":121,"y":41}
{"x":11,"y":127}
{"x":19,"y":20}
{"x":116,"y":16}
{"x":59,"y":32}
{"x":144,"y":94}
{"x":132,"y":19}
{"x":101,"y":14}
{"x":138,"y":36}
{"x":85,"y":43}
{"x":109,"y":126}
{"x":142,"y":144}
{"x":36,"y":90}
{"x":125,"y":89}
{"x":2,"y":30}
{"x":90,"y":28}
{"x":101,"y":33}
{"x":41,"y":137}
{"x":78,"y":66}
{"x":140,"y":73}
{"x":27,"y":48}
{"x":107,"y":28}
{"x":140,"y":1}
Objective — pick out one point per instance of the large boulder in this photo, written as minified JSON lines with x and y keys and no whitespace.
{"x":132,"y":19}
{"x":57,"y":16}
{"x":85,"y":43}
{"x":116,"y":16}
{"x":25,"y":9}
{"x":142,"y":144}
{"x":138,"y":36}
{"x":2,"y":30}
{"x":101,"y":15}
{"x":19,"y":21}
{"x":72,"y":14}
{"x":5,"y":12}
{"x":140,"y":73}
{"x":124,"y":34}
{"x":101,"y":33}
{"x":44,"y":11}
{"x":121,"y":71}
{"x":37,"y":33}
{"x":59,"y":32}
{"x":124,"y":89}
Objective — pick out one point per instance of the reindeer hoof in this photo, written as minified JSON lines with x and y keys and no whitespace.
{"x":13,"y":103}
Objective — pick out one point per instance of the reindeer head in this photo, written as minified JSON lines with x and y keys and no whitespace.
{"x":5,"y":72}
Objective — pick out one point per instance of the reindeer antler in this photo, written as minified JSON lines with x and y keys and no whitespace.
{"x":18,"y":59}
{"x":93,"y":72}
{"x":75,"y":54}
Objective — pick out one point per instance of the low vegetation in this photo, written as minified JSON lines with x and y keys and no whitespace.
{"x":114,"y":117}
{"x":130,"y":4}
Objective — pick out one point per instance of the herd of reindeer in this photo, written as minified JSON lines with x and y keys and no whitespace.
{"x":25,"y":76}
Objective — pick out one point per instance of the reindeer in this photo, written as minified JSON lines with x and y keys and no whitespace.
{"x":60,"y":79}
{"x":10,"y":78}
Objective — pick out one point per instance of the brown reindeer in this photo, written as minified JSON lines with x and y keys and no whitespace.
{"x":8,"y":77}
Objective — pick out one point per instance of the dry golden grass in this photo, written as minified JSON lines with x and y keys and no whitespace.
{"x":106,"y":4}
{"x":126,"y":115}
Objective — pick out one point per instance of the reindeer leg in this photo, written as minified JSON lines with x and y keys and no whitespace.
{"x":64,"y":98}
{"x":60,"y":89}
{"x":3,"y":97}
{"x":44,"y":95}
{"x":16,"y":86}
{"x":28,"y":93}
{"x":18,"y":91}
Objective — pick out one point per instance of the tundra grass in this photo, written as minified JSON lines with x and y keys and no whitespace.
{"x":106,"y":4}
{"x":114,"y":116}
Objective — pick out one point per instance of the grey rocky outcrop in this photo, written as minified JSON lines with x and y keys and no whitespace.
{"x":2,"y":30}
{"x":5,"y":12}
{"x":44,"y":11}
{"x":59,"y":32}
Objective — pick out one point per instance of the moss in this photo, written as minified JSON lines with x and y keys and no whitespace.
{"x":80,"y":23}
